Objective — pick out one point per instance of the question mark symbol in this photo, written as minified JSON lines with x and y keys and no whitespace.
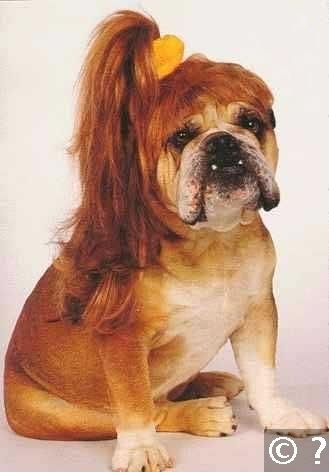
{"x":322,"y":446}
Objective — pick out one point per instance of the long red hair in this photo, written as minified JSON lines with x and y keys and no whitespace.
{"x":124,"y":115}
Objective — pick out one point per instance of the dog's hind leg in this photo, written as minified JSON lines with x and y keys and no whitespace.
{"x":209,"y":384}
{"x":202,"y":417}
{"x":33,"y":412}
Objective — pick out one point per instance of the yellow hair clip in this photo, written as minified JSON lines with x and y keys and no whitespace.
{"x":168,"y":53}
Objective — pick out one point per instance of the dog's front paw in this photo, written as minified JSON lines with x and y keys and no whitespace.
{"x":282,"y":417}
{"x":139,"y":451}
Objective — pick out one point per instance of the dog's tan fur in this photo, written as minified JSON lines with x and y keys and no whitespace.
{"x":73,"y":364}
{"x":65,"y":381}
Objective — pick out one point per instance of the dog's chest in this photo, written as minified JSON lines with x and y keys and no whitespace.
{"x":201,"y":317}
{"x":202,"y":312}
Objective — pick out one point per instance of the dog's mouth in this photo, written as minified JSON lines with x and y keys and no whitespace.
{"x":223,"y":173}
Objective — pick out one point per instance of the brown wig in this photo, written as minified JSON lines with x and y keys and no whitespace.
{"x":124,"y":117}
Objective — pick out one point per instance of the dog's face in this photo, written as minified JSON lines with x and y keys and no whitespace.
{"x":218,"y":162}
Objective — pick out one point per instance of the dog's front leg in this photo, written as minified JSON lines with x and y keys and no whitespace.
{"x":254,"y":346}
{"x":124,"y":357}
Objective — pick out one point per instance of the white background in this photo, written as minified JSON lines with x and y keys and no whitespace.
{"x":42,"y":46}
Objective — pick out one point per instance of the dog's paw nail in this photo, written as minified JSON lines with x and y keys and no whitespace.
{"x":235,"y":427}
{"x":222,"y":435}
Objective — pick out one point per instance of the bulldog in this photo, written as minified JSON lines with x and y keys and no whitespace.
{"x":166,"y":261}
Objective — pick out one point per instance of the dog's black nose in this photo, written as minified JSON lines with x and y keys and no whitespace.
{"x":224,"y":153}
{"x":222,"y":143}
{"x":227,"y":143}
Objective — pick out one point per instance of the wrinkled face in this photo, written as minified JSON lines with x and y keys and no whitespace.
{"x":218,"y":163}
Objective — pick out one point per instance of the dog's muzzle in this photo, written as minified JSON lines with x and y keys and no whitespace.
{"x":224,"y":162}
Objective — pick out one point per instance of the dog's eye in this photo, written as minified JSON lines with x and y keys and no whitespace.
{"x":253,"y":124}
{"x":182,"y":136}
